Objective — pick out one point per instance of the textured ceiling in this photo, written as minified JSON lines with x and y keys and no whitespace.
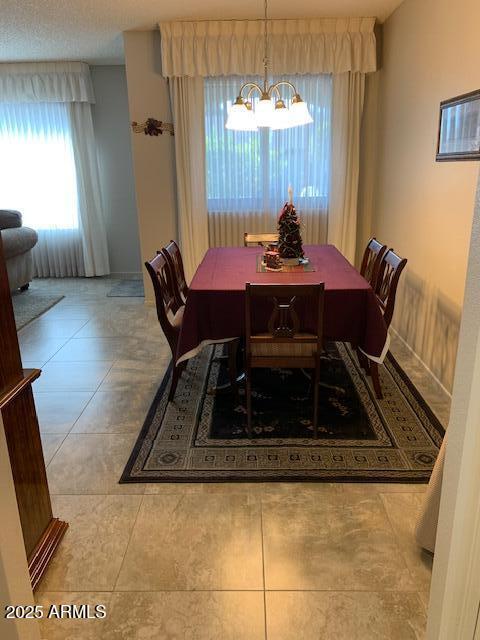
{"x":91,"y":30}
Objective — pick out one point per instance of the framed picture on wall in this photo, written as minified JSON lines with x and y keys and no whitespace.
{"x":459,"y":128}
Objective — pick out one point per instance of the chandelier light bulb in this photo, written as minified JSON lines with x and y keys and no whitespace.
{"x":281,"y":118}
{"x":264,"y":109}
{"x":300,"y":112}
{"x":240,"y":117}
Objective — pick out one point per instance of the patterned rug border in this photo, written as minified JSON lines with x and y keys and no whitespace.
{"x":418,"y":396}
{"x":323,"y":475}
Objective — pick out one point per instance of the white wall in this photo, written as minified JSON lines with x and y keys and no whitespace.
{"x":424,"y":208}
{"x":455,"y":589}
{"x":112,"y":130}
{"x":153,"y":157}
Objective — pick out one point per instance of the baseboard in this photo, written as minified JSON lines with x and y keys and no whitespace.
{"x":427,"y":369}
{"x":126,"y":275}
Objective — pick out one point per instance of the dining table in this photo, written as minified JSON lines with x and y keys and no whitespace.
{"x":215,"y":306}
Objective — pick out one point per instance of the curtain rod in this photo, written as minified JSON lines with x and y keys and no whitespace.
{"x":269,"y":19}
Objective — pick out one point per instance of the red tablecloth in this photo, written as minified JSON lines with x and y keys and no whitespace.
{"x":215,"y":309}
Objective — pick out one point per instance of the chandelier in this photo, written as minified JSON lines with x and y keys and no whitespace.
{"x":270,"y":110}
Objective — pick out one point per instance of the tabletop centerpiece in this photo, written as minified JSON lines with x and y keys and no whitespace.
{"x":272,"y":260}
{"x":286,"y":254}
{"x":290,"y":246}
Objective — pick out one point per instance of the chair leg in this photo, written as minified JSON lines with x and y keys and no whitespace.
{"x":316,"y":393}
{"x":232,"y":367}
{"x":376,"y":380}
{"x":177,"y":372}
{"x":248,"y":398}
{"x":362,"y":359}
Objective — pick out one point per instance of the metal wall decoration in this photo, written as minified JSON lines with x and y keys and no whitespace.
{"x":152,"y":127}
{"x":459,"y":128}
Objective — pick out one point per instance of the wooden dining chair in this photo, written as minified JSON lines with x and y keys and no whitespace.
{"x":174,"y":258}
{"x":391,"y":267}
{"x":372,"y":258}
{"x":282,"y":340}
{"x":259,"y":239}
{"x":170,"y":316}
{"x":169,"y":310}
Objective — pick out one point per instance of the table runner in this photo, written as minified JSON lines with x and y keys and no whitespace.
{"x":215,"y":308}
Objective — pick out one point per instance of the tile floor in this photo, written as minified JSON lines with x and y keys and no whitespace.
{"x":201,"y":562}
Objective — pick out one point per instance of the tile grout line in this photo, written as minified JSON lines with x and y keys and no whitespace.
{"x":91,"y":494}
{"x":101,"y":433}
{"x":92,"y":397}
{"x":68,"y":433}
{"x":59,"y":349}
{"x":263,"y":571}
{"x":60,"y":338}
{"x":142,"y":496}
{"x":56,"y":450}
{"x":46,"y":362}
{"x":67,"y":340}
{"x":367,"y":591}
{"x":78,"y":330}
{"x":397,"y":539}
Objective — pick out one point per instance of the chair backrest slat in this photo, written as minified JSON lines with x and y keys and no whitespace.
{"x":174,"y":258}
{"x":372,"y":257}
{"x":259,"y":239}
{"x":284,"y":324}
{"x":391,"y":267}
{"x":165,"y":298}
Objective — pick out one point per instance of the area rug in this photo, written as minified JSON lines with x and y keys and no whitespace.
{"x":29,"y":305}
{"x":202,"y":437}
{"x":127,"y":289}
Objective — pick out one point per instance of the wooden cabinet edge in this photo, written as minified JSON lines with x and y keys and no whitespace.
{"x":45,"y":549}
{"x":48,"y":542}
{"x":9,"y":394}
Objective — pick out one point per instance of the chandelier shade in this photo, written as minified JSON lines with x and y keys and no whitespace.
{"x":264,"y":109}
{"x":241,"y":118}
{"x":299,"y":112}
{"x":282,"y":117}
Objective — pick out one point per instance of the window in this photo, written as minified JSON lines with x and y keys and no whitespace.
{"x":37,"y":164}
{"x":249,"y":172}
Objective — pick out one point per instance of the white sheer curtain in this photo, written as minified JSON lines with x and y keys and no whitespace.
{"x":48,"y":164}
{"x":347,"y":101}
{"x":187,"y":102}
{"x":90,"y":207}
{"x":248,"y":173}
{"x":37,"y":166}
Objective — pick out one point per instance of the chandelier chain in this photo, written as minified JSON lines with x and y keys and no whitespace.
{"x":265,"y":54}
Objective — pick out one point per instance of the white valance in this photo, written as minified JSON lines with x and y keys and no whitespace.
{"x":45,"y":82}
{"x":236,"y":47}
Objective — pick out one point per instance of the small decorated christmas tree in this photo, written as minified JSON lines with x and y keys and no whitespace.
{"x":289,"y":238}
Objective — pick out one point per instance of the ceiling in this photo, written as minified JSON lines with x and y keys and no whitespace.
{"x":91,"y":30}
